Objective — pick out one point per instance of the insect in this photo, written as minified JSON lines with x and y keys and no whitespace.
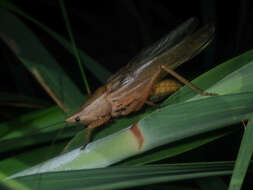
{"x":131,"y":87}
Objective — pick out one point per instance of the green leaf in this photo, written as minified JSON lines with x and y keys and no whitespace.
{"x":30,"y":158}
{"x":211,"y":77}
{"x":39,"y":62}
{"x":243,"y":158}
{"x":125,"y":177}
{"x":23,"y":130}
{"x":75,"y":50}
{"x":8,"y":99}
{"x":175,"y":126}
{"x":10,"y":184}
{"x":175,"y":148}
{"x":100,"y":72}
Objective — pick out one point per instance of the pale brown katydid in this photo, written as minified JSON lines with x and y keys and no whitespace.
{"x":131,"y":87}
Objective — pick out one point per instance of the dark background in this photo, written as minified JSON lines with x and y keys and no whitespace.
{"x":112,"y":32}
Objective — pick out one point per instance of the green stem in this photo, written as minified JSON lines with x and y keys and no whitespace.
{"x":76,"y":52}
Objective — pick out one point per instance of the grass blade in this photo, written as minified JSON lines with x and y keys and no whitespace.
{"x":243,"y":159}
{"x":30,"y":158}
{"x":8,"y":99}
{"x":123,"y":177}
{"x":100,"y":72}
{"x":75,"y":50}
{"x":15,"y":134}
{"x":211,"y":77}
{"x":175,"y":148}
{"x":148,"y":133}
{"x":11,"y":184}
{"x":39,"y":62}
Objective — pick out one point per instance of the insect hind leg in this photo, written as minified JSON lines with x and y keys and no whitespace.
{"x":186,"y":82}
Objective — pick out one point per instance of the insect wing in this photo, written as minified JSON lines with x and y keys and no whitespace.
{"x":188,"y":48}
{"x":126,"y":75}
{"x":165,"y":43}
{"x":131,"y":82}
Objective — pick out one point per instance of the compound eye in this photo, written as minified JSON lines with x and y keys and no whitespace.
{"x":77,"y":119}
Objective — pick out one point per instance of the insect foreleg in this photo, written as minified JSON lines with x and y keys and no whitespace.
{"x":93,"y":125}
